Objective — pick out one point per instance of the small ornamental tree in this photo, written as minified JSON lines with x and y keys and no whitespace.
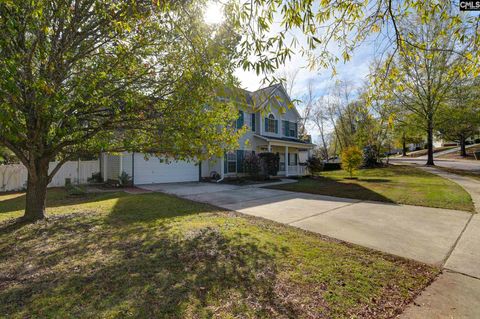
{"x":352,"y":159}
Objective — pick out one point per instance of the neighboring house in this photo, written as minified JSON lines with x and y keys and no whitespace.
{"x":268,"y":130}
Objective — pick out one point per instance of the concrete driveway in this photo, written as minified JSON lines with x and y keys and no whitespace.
{"x":420,"y":233}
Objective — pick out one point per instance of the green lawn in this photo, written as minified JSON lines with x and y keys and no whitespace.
{"x":395,"y":184}
{"x":157,"y":256}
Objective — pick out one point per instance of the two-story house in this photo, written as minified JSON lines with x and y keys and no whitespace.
{"x":271,"y":126}
{"x":271,"y":123}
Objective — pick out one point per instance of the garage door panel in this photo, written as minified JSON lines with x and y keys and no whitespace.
{"x":154,"y":171}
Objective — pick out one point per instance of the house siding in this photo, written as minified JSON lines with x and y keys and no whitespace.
{"x":113,"y":167}
{"x":127,"y":163}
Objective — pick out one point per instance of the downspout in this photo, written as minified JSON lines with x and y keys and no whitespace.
{"x":133,"y":168}
{"x":199,"y":171}
{"x":222,"y":170}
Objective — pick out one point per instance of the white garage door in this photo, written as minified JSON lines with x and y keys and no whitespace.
{"x":153,"y":171}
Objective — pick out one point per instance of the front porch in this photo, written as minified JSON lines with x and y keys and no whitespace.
{"x":293,"y":154}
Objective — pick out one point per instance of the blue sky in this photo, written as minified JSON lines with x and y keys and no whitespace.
{"x":354,"y":71}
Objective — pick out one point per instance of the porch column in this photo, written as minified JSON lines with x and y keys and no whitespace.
{"x":286,"y":161}
{"x":269,"y":147}
{"x":298,"y":164}
{"x":222,"y":167}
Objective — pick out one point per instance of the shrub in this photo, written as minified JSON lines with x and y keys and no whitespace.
{"x":477,"y":140}
{"x":370,"y":157}
{"x":351,"y":159}
{"x":253,"y":165}
{"x":314,"y":165}
{"x":270,"y":163}
{"x":73,"y":190}
{"x":96,"y":178}
{"x":124,"y":180}
{"x":332,"y":166}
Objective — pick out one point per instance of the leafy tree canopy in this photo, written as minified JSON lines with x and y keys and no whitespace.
{"x":347,"y":24}
{"x":78,"y":77}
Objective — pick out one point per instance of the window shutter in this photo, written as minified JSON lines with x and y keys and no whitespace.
{"x":276,"y":126}
{"x":296,"y":159}
{"x":240,"y":119}
{"x":240,"y":157}
{"x":253,"y":122}
{"x":284,"y":128}
{"x":225,"y":163}
{"x":287,"y":128}
{"x":296,"y":130}
{"x":266,"y":124}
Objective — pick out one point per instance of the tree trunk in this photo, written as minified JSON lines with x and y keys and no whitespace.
{"x":404,"y":145}
{"x":430,"y":144}
{"x":36,"y":193}
{"x":463,"y":149}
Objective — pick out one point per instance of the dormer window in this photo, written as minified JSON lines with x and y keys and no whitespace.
{"x":271,"y":124}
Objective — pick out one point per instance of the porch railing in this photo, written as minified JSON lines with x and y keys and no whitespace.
{"x":298,"y":170}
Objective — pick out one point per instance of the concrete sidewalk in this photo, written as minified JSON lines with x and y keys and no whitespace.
{"x":456,"y":293}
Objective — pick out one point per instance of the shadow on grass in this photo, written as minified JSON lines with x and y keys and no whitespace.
{"x":374,"y":180}
{"x":56,"y":197}
{"x":116,"y":267}
{"x":344,"y":188}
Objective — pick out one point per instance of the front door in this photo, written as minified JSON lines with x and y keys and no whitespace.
{"x":282,"y":162}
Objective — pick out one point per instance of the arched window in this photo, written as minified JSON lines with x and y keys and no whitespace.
{"x":271,"y":125}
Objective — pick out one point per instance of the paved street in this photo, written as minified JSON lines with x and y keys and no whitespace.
{"x":467,"y":165}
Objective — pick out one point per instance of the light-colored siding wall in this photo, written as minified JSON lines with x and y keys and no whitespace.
{"x":213,"y":164}
{"x":113,"y":166}
{"x":127,"y":163}
{"x":275,"y":105}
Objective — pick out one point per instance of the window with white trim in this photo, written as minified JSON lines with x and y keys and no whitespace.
{"x":291,"y":127}
{"x":270,"y":124}
{"x":231,"y":162}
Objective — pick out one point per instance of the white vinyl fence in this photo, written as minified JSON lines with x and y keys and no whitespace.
{"x":14,"y":176}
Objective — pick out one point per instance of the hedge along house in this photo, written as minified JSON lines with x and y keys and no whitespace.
{"x":271,"y":121}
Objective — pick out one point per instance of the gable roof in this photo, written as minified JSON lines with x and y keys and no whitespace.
{"x":257,"y":99}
